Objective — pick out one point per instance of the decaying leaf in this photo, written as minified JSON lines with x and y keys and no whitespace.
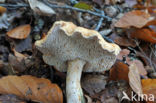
{"x":93,"y":83}
{"x":20,"y":32}
{"x":145,"y":34}
{"x":131,"y":3}
{"x":123,"y":52}
{"x":111,"y":93}
{"x":123,"y":41}
{"x":149,"y":87}
{"x":83,"y":5}
{"x":2,"y":9}
{"x":23,"y":45}
{"x":119,"y":71}
{"x":134,"y":79}
{"x":10,"y":99}
{"x":40,"y":8}
{"x":18,"y":66}
{"x":31,"y":88}
{"x":135,"y":18}
{"x":139,"y":65}
{"x":18,"y":55}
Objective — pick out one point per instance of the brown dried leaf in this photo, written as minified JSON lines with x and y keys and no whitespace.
{"x":119,"y":71}
{"x":18,"y":55}
{"x":149,"y":87}
{"x":18,"y":66}
{"x":144,"y":34}
{"x":93,"y":83}
{"x":10,"y":99}
{"x":134,"y":79}
{"x":2,"y":9}
{"x":109,"y":95}
{"x":123,"y":52}
{"x":139,"y":65}
{"x":135,"y":18}
{"x":20,"y":32}
{"x":123,"y":41}
{"x":31,"y":88}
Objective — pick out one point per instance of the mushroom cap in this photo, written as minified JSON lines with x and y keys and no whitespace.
{"x":66,"y":41}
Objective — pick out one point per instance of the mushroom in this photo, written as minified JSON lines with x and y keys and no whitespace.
{"x":75,"y":49}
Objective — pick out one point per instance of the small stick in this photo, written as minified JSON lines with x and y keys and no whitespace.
{"x":72,"y":8}
{"x":100,"y":21}
{"x":77,"y":9}
{"x":14,"y":5}
{"x":99,"y":25}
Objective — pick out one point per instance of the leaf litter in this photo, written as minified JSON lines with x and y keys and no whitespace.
{"x":131,"y":26}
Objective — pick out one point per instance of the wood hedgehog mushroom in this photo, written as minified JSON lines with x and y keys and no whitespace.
{"x":75,"y":49}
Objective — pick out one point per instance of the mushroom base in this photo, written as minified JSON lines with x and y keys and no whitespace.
{"x":73,"y":88}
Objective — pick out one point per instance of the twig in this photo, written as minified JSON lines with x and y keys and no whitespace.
{"x":99,"y":25}
{"x":145,"y":56}
{"x":77,"y":9}
{"x":72,"y":8}
{"x":59,"y":6}
{"x":14,"y":5}
{"x":100,"y":21}
{"x":152,"y":51}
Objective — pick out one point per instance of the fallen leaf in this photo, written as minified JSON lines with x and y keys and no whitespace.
{"x":4,"y":51}
{"x":123,"y":52}
{"x":40,"y":8}
{"x":31,"y":88}
{"x":119,"y":71}
{"x":18,"y":66}
{"x":139,"y":65}
{"x":134,"y":79}
{"x":135,"y":18}
{"x":110,"y":95}
{"x":131,"y":3}
{"x":153,"y":2}
{"x":153,"y":22}
{"x":10,"y":99}
{"x":18,"y":55}
{"x":2,"y":9}
{"x":83,"y":5}
{"x":23,"y":45}
{"x":20,"y":32}
{"x":149,"y":87}
{"x":123,"y":41}
{"x":93,"y":83}
{"x":144,"y":34}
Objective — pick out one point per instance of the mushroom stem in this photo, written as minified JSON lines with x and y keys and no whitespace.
{"x":73,"y":87}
